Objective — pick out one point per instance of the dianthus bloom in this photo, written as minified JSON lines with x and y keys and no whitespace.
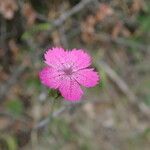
{"x":67,"y":71}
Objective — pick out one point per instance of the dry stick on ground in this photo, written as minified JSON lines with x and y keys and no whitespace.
{"x":69,"y":106}
{"x":118,"y":81}
{"x":63,"y":37}
{"x":47,"y":120}
{"x":58,"y":22}
{"x":121,"y":84}
{"x":71,"y":12}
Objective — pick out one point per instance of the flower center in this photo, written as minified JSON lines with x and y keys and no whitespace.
{"x":68,"y":71}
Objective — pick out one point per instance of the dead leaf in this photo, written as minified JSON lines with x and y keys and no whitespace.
{"x":103,"y":12}
{"x":120,"y":29}
{"x":137,"y":6}
{"x":29,"y":13}
{"x":117,"y":29}
{"x":8,"y":8}
{"x":91,"y":20}
{"x":88,"y":30}
{"x":14,"y":48}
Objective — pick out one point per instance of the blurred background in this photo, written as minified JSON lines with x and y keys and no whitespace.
{"x":114,"y":115}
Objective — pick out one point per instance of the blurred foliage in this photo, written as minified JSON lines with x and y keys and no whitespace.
{"x":144,"y":19}
{"x":15,"y":107}
{"x":62,"y":128}
{"x":8,"y":142}
{"x":34,"y":82}
{"x":35,"y":29}
{"x":116,"y":32}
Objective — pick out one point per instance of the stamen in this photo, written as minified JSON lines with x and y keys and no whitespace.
{"x":68,"y":71}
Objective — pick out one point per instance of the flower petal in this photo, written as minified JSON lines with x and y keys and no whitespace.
{"x":79,"y":59}
{"x":50,"y":77}
{"x":55,"y":57}
{"x":70,"y":90}
{"x":86,"y":77}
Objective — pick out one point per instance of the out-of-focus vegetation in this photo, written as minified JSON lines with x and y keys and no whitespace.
{"x":112,"y":116}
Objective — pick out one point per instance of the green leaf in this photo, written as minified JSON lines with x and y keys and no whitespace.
{"x":34,"y":82}
{"x":54,"y":93}
{"x":144,"y":20}
{"x":36,"y":28}
{"x":9,"y":142}
{"x":15,"y":106}
{"x":147,"y":100}
{"x":103,"y":77}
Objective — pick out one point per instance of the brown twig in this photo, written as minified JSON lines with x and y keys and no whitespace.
{"x":118,"y":81}
{"x":47,"y":120}
{"x":71,"y":12}
{"x":122,"y":85}
{"x":69,"y":106}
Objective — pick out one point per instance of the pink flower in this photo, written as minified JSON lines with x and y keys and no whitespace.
{"x":67,"y":70}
